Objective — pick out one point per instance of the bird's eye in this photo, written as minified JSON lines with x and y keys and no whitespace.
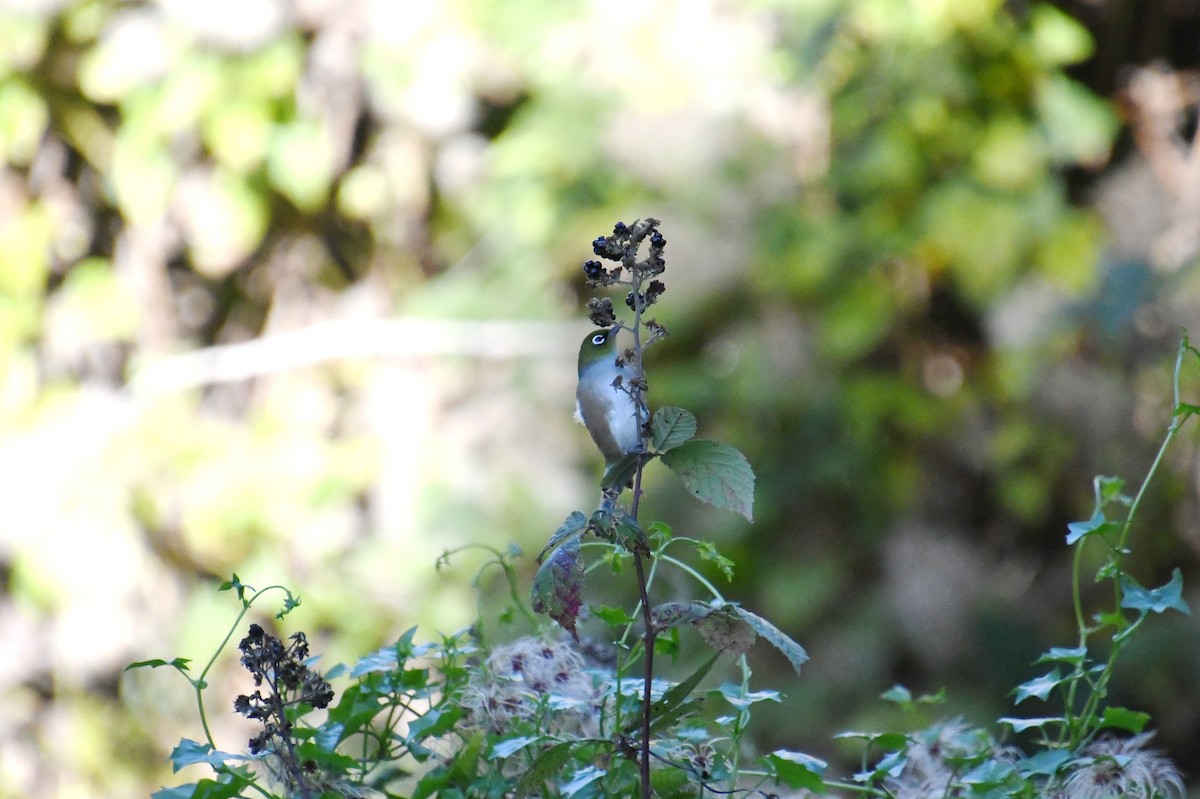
{"x":599,"y":338}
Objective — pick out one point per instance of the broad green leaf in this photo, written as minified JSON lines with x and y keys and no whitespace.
{"x":621,"y":473}
{"x":887,"y":741}
{"x":668,"y":708}
{"x":741,"y":699}
{"x":582,"y":779}
{"x":890,"y":765}
{"x":615,"y":617}
{"x":1039,"y":686}
{"x":558,"y":584}
{"x":1020,"y":725}
{"x":510,"y":746}
{"x":715,"y":473}
{"x":545,"y":766}
{"x":1077,"y":530}
{"x":671,"y":427}
{"x":1124,"y":719}
{"x":189,"y":753}
{"x":574,"y":525}
{"x":204,"y":789}
{"x":1047,"y":762}
{"x":178,"y":663}
{"x":774,"y":636}
{"x":798,"y":770}
{"x":1155,"y":600}
{"x":1057,"y":654}
{"x":989,"y":774}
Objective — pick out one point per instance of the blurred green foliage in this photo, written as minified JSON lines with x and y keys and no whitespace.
{"x":881,"y":288}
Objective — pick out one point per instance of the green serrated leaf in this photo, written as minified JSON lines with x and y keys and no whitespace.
{"x":621,"y":473}
{"x":671,"y":427}
{"x":715,"y":473}
{"x":798,"y":770}
{"x":774,"y":636}
{"x":1155,"y":600}
{"x":615,"y":617}
{"x":574,"y":525}
{"x":708,"y":552}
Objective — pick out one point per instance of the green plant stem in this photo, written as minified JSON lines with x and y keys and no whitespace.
{"x":1081,"y":727}
{"x":200,"y":683}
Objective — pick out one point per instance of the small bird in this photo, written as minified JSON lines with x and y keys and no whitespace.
{"x":608,"y":411}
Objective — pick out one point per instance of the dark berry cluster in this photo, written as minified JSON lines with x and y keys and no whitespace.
{"x":622,"y":246}
{"x":283,"y":680}
{"x":640,"y":301}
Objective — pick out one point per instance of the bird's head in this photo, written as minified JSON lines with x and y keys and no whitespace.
{"x":598,"y":346}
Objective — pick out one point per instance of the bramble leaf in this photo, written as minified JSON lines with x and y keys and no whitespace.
{"x":774,"y":636}
{"x":671,"y":427}
{"x":558,"y":584}
{"x":620,"y":474}
{"x":574,"y":525}
{"x":715,"y":473}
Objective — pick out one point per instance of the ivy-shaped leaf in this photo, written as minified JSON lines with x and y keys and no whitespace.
{"x":558,"y":584}
{"x":189,"y":753}
{"x":671,"y":427}
{"x":1038,"y":686}
{"x":1098,"y":523}
{"x":715,"y":473}
{"x":1020,"y":725}
{"x":1155,"y":600}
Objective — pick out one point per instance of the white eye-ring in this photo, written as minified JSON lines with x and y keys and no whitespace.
{"x":599,"y":338}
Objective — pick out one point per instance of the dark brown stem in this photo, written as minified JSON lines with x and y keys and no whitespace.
{"x":647,"y":642}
